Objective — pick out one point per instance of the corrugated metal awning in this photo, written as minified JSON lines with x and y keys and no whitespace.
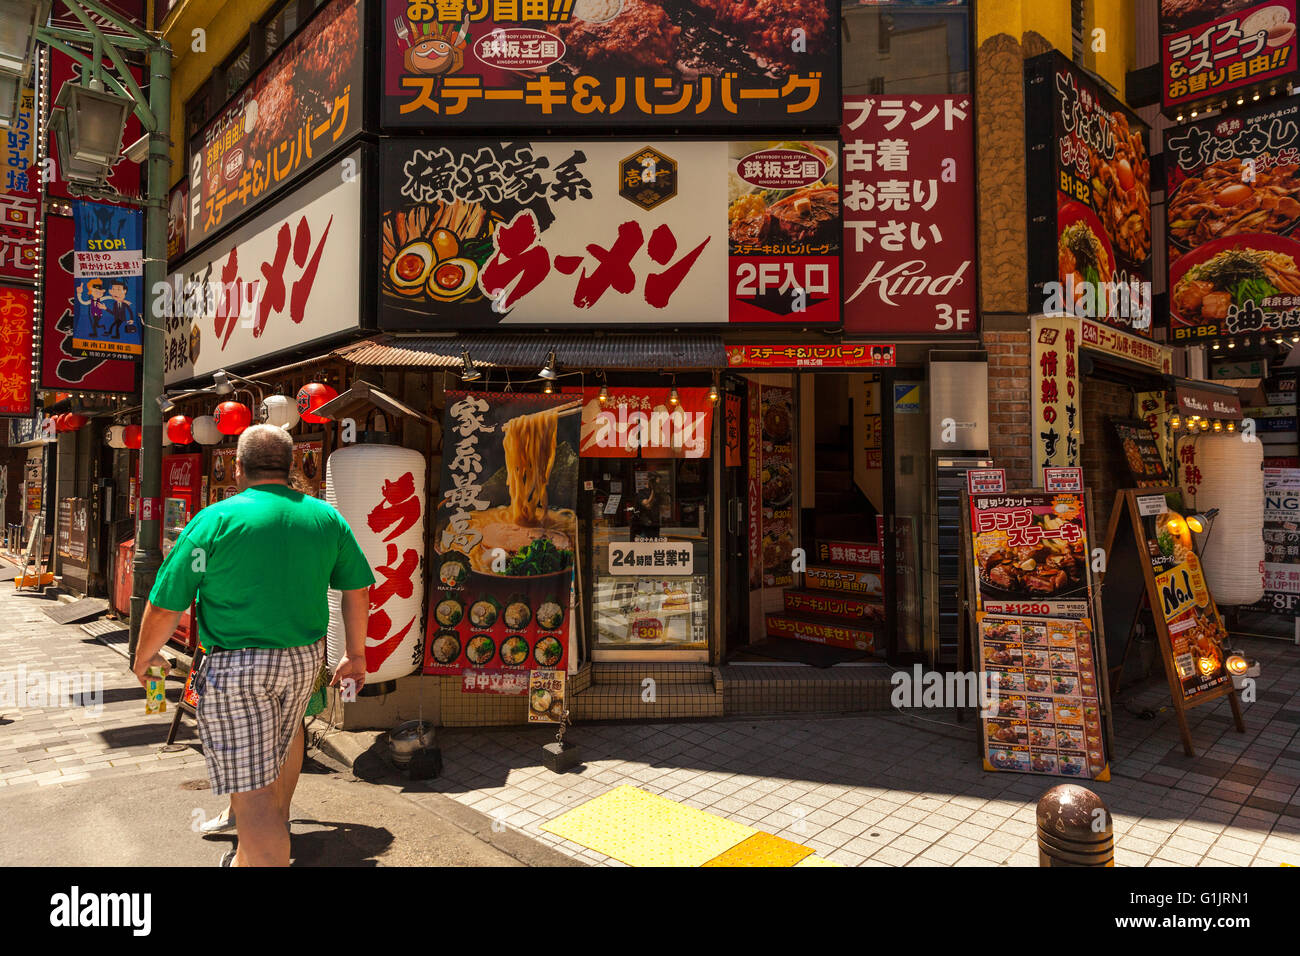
{"x":667,"y":350}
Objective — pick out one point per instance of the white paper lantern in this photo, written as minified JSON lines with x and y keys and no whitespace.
{"x":379,"y":489}
{"x":1232,"y":548}
{"x":278,"y":410}
{"x":205,"y":430}
{"x":114,"y":436}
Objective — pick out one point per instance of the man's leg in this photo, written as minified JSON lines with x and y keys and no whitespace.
{"x":287,"y":782}
{"x":263,"y":839}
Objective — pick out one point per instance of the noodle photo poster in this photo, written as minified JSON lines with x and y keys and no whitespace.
{"x":505,"y":533}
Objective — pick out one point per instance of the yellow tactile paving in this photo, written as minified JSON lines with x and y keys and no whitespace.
{"x":762,"y":849}
{"x":642,"y":829}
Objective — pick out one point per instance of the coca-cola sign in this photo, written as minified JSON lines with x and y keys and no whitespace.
{"x":909,"y":201}
{"x":181,"y":472}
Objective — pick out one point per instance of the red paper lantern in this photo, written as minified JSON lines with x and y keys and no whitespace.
{"x":75,"y":421}
{"x":58,"y":422}
{"x":131,"y":436}
{"x":312,"y":396}
{"x":232,"y":418}
{"x":179,"y":431}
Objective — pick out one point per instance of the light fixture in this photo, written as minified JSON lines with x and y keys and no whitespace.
{"x":713,"y":393}
{"x":73,"y":171}
{"x":11,"y":92}
{"x":1232,"y":343}
{"x":1295,"y":338}
{"x":1205,"y":424}
{"x":94,"y":119}
{"x":1176,"y":420}
{"x":1278,"y":340}
{"x":604,"y":394}
{"x":221,"y":382}
{"x":166,"y":405}
{"x":1218,"y":425}
{"x":673,"y":397}
{"x":1180,"y":117}
{"x":547,"y":371}
{"x":468,"y":373}
{"x":1215,"y":346}
{"x":1175,"y":525}
{"x":1199,"y":522}
{"x":1232,"y":426}
{"x":550,"y":387}
{"x":1240,"y":99}
{"x":19,"y":20}
{"x":1193,"y":114}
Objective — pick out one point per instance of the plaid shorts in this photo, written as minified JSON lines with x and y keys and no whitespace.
{"x":251,"y":703}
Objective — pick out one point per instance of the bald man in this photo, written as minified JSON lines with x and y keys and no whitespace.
{"x":260,"y":564}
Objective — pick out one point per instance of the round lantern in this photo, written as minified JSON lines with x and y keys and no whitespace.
{"x":1233,"y":546}
{"x":205,"y":431}
{"x":58,"y":422}
{"x":312,"y":396}
{"x":363,"y":481}
{"x":113,"y":436}
{"x":231,"y":417}
{"x":131,"y":436}
{"x":279,"y":410}
{"x":180,"y":430}
{"x":73,"y":421}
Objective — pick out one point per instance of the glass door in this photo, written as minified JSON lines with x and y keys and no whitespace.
{"x":906,"y":423}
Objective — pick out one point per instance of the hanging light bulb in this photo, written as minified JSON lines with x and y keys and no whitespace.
{"x":1176,"y":421}
{"x":673,"y":397}
{"x":1232,"y":426}
{"x":1232,"y":343}
{"x":1180,"y":117}
{"x":1218,"y":426}
{"x":1255,"y":98}
{"x":1215,"y":346}
{"x":604,"y":394}
{"x":1205,"y":424}
{"x":1240,"y":100}
{"x":713,"y":393}
{"x":550,"y":387}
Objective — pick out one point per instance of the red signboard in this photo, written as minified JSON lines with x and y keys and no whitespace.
{"x":646,"y":423}
{"x":60,"y":368}
{"x":810,"y":356}
{"x":16,"y":312}
{"x":909,"y":200}
{"x":1244,"y":47}
{"x":303,"y":103}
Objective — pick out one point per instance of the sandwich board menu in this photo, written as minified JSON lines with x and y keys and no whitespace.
{"x":1149,"y":542}
{"x":1038,"y":656}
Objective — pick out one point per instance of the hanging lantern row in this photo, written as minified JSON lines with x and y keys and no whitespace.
{"x":1247,"y":341}
{"x":69,"y":422}
{"x":1195,"y":423}
{"x":229,"y":418}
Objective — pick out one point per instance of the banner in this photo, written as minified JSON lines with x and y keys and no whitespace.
{"x":1037,"y":644}
{"x":108,"y":270}
{"x":1089,"y":197}
{"x":305,"y":102}
{"x":1281,"y":543}
{"x":1208,"y":49}
{"x":20,"y":199}
{"x":479,"y":233}
{"x":62,"y":369}
{"x":17,"y":314}
{"x":455,"y":66}
{"x":909,"y":192}
{"x":505,"y":534}
{"x":1234,"y":203}
{"x":1054,"y":392}
{"x":644,"y":423}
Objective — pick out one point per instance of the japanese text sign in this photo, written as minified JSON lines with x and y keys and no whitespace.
{"x":108,"y":271}
{"x":1054,"y":392}
{"x":597,"y":63}
{"x":909,"y":198}
{"x":288,"y":277}
{"x":1204,"y":57}
{"x":19,"y":192}
{"x":479,"y":233}
{"x":302,"y":105}
{"x":645,"y":423}
{"x":17,"y":313}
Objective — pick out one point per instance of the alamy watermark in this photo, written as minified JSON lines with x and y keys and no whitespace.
{"x":946,"y":690}
{"x":23,"y":689}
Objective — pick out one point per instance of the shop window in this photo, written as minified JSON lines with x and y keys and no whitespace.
{"x":892,"y":48}
{"x":237,"y":69}
{"x":279,"y":27}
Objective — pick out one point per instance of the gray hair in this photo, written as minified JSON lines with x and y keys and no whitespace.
{"x":265,"y":451}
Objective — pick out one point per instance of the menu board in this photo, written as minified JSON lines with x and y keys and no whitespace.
{"x":506,"y":533}
{"x":1281,"y":543}
{"x":1234,"y":203}
{"x":546,"y":696}
{"x":1209,"y":47}
{"x":1044,"y":715}
{"x":452,"y":66}
{"x":1035,"y":635}
{"x":1089,"y":197}
{"x":650,"y":609}
{"x":307,"y":476}
{"x":1142,"y":457}
{"x":776,"y":484}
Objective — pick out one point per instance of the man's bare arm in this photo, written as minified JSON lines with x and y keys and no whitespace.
{"x":157,"y":626}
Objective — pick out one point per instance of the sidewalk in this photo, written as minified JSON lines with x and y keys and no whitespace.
{"x":907,"y":789}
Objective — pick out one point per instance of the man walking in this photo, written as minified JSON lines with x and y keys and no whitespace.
{"x":261,"y":564}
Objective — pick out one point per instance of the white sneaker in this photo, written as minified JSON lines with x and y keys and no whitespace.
{"x":222,"y":823}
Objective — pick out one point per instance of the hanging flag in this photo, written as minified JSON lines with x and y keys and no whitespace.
{"x":108,"y":271}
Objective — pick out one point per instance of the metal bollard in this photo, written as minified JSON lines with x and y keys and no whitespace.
{"x":1074,"y":828}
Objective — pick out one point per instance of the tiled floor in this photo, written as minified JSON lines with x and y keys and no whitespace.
{"x":899,"y":789}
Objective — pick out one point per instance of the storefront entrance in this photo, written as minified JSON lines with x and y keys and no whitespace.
{"x":828,"y":501}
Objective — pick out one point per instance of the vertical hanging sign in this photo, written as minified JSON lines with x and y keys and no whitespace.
{"x":1054,"y":392}
{"x":108,"y":271}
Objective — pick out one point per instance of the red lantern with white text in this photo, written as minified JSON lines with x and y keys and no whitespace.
{"x":131,"y":437}
{"x":312,"y":396}
{"x":179,"y":431}
{"x":232,"y":418}
{"x":73,"y":421}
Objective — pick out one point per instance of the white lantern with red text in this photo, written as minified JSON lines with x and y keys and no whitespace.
{"x":1232,"y":547}
{"x":379,"y":489}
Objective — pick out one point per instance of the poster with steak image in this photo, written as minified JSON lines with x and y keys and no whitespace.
{"x":610,"y":63}
{"x":478,"y":233}
{"x":1209,"y":47}
{"x":776,"y":415}
{"x":1089,"y":196}
{"x":304,"y":103}
{"x":505,"y":533}
{"x":1233,"y":208}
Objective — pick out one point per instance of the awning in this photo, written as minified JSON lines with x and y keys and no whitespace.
{"x":359,"y":399}
{"x":1206,"y":400}
{"x":589,"y":350}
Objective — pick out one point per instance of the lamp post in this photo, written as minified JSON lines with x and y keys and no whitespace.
{"x":93,"y":113}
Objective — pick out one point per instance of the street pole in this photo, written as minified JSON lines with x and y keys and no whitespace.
{"x":148,"y":544}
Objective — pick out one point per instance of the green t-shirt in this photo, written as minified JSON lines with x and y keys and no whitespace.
{"x":261,"y":564}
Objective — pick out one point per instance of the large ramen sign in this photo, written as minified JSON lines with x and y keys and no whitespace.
{"x":505,"y":533}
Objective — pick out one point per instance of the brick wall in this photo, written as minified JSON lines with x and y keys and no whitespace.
{"x":1009,"y":411}
{"x":1104,"y":469}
